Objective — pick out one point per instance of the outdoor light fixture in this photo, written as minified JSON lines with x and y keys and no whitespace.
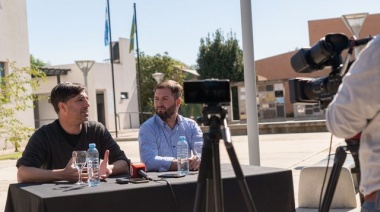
{"x":158,"y":76}
{"x":85,"y":66}
{"x":354,"y":23}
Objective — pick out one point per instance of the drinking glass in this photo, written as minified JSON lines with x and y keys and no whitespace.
{"x":198,"y":149}
{"x":80,"y":162}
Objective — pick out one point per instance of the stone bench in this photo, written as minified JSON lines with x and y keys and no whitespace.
{"x":311,"y":180}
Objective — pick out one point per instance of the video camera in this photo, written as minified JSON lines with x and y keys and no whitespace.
{"x":326,"y":52}
{"x":213,"y":93}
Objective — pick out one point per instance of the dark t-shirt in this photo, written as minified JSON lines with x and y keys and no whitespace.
{"x":49,"y":147}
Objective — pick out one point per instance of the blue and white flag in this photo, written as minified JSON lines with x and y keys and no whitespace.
{"x":106,"y":29}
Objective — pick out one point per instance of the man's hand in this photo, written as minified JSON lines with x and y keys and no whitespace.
{"x":105,"y":169}
{"x":70,"y":172}
{"x":194,"y":163}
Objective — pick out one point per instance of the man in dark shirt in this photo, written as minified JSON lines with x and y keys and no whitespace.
{"x":48,"y":155}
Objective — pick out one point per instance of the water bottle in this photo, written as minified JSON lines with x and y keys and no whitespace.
{"x":183,"y":156}
{"x":93,"y":165}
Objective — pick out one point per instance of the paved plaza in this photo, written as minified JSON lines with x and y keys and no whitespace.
{"x":287,"y":151}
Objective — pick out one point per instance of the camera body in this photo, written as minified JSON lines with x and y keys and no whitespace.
{"x":211,"y":92}
{"x":326,"y":52}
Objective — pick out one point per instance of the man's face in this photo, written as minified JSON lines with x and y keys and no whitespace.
{"x":165,"y":104}
{"x":76,"y":109}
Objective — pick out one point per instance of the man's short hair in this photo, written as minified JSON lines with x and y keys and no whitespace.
{"x":63,"y":92}
{"x":174,"y":86}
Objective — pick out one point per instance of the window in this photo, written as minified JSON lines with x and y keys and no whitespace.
{"x":2,"y":70}
{"x":279,"y":94}
{"x":269,"y":87}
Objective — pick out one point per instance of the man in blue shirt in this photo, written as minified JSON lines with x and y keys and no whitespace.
{"x":159,"y":135}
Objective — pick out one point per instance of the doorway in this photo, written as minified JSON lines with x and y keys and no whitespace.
{"x":101,"y":112}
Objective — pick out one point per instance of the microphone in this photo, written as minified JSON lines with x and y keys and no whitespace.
{"x":138,"y":170}
{"x":144,"y":174}
{"x":363,"y":41}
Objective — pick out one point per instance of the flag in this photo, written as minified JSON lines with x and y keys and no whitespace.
{"x":132,"y":36}
{"x":106,"y":29}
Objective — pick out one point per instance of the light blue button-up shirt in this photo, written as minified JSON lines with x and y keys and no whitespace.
{"x":158,"y":142}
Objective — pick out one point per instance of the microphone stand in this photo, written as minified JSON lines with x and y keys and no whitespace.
{"x":209,"y":185}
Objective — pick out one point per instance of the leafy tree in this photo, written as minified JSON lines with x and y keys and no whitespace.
{"x":220,"y":58}
{"x":158,"y":63}
{"x":36,"y":63}
{"x":16,"y":95}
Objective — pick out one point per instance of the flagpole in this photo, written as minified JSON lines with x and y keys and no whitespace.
{"x":111,"y":60}
{"x":138,"y":66}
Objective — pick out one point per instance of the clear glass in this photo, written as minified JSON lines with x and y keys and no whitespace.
{"x":198,"y":149}
{"x":80,"y":162}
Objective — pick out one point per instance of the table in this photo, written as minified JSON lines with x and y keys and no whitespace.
{"x":271,"y":190}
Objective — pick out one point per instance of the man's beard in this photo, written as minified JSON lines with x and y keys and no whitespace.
{"x":167,"y":113}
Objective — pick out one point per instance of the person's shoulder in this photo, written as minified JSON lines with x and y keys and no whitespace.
{"x":149,"y":122}
{"x":94,"y":124}
{"x":48,"y":127}
{"x":188,"y":121}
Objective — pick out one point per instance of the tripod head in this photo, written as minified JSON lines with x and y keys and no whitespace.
{"x":213,"y":110}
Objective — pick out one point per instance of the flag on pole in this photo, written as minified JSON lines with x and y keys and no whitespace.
{"x":106,"y":29}
{"x":133,"y":32}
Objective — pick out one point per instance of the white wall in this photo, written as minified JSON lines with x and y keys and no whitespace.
{"x":100,"y":81}
{"x":14,"y":44}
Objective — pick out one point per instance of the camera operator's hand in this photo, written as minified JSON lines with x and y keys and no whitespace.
{"x":356,"y":138}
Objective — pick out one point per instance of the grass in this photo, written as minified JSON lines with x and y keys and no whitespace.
{"x":12,"y":156}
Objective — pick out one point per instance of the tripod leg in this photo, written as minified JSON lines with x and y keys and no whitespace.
{"x":340,"y":157}
{"x":353,"y":147}
{"x":237,"y":169}
{"x":204,"y":177}
{"x":218,"y":189}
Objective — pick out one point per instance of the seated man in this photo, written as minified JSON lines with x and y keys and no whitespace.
{"x":159,"y":135}
{"x":48,"y":155}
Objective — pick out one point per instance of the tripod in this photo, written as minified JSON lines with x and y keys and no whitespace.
{"x":340,"y":157}
{"x":209,"y":178}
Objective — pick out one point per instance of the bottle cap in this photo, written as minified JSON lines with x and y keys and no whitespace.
{"x":92,"y":145}
{"x":182,"y":138}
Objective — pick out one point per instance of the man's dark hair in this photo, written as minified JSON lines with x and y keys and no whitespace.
{"x":174,"y":86}
{"x":63,"y":92}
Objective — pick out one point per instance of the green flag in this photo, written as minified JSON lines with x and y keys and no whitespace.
{"x":133,"y":32}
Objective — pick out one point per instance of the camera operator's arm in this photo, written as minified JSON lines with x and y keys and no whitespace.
{"x":357,"y":101}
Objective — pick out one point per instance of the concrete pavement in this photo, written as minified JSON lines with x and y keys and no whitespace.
{"x":288,"y":151}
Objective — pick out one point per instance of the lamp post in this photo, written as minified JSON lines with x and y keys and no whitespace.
{"x":158,"y":76}
{"x":354,"y":23}
{"x":85,"y":66}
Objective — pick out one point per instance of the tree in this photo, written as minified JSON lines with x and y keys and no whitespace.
{"x":16,"y":95}
{"x":158,"y":63}
{"x":219,"y":58}
{"x":36,"y":63}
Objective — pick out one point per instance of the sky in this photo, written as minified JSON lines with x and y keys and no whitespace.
{"x":62,"y":31}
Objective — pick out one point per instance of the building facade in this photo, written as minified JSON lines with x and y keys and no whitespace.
{"x":14,"y":46}
{"x":273,"y":73}
{"x":119,"y":113}
{"x":99,"y":91}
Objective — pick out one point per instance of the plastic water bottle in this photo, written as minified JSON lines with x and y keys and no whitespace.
{"x":93,"y":165}
{"x":183,"y":156}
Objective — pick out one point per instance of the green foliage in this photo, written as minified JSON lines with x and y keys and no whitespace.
{"x":158,"y":63}
{"x":36,"y":63}
{"x":16,"y":95}
{"x":220,"y":58}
